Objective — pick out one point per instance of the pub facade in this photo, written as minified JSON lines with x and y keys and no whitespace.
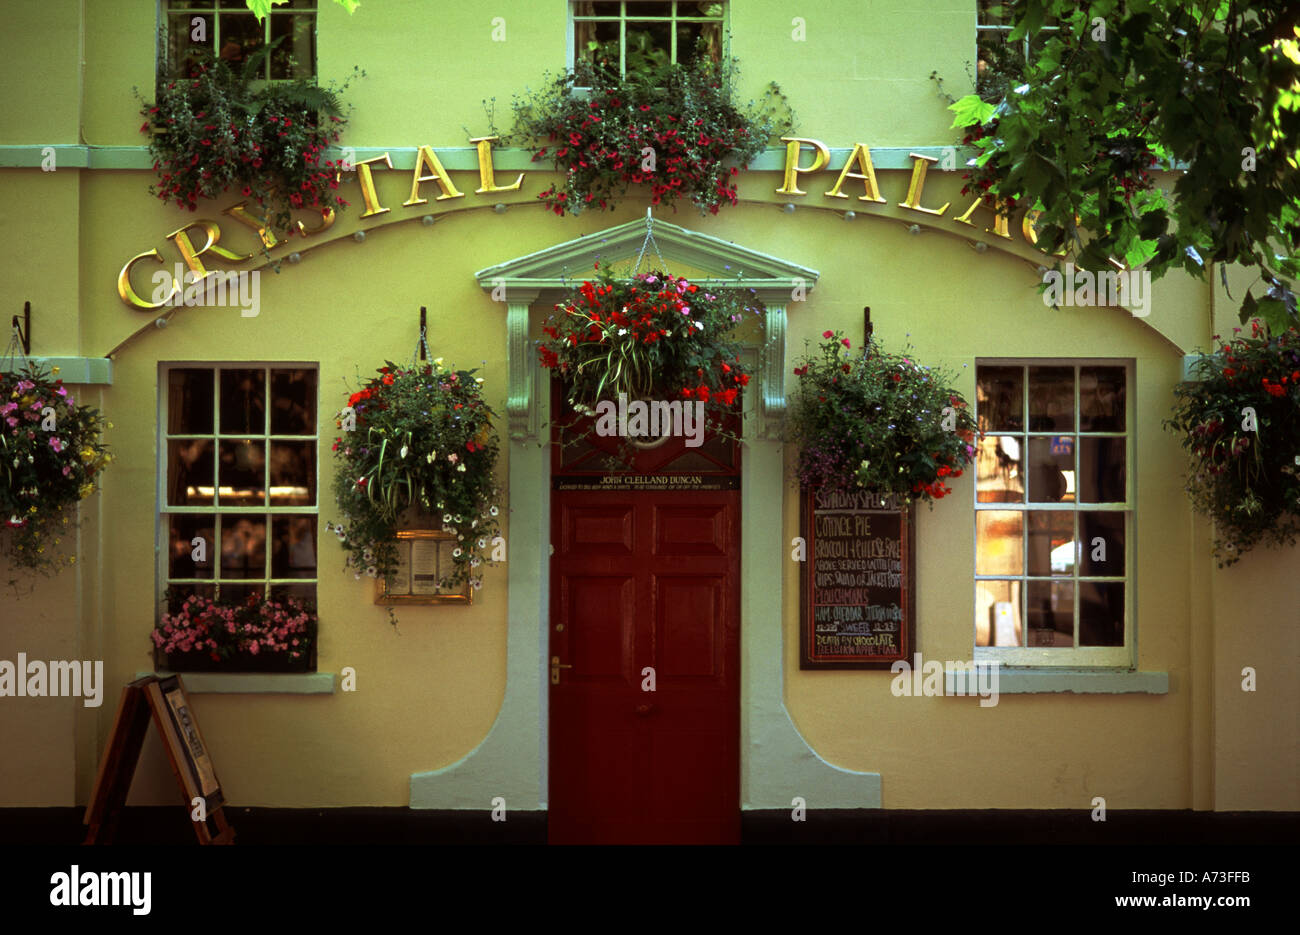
{"x":680,"y":644}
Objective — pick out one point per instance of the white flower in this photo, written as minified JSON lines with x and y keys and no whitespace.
{"x":372,"y":571}
{"x":446,"y":517}
{"x":357,"y":576}
{"x":404,"y":451}
{"x":494,"y":511}
{"x":437,"y":361}
{"x":474,"y":562}
{"x":482,"y":543}
{"x":700,"y":325}
{"x":478,"y":379}
{"x":455,"y":553}
{"x":458,"y":519}
{"x":473,"y":524}
{"x":368,"y":555}
{"x":476,"y":583}
{"x":338,"y":531}
{"x":622,"y":331}
{"x":461,"y":468}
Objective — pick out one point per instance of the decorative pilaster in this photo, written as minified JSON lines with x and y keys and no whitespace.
{"x":521,"y":410}
{"x":774,"y":371}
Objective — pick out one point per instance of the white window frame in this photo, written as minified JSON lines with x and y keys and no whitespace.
{"x":572,"y":19}
{"x":1078,"y":656}
{"x":163,"y":510}
{"x":212,"y":8}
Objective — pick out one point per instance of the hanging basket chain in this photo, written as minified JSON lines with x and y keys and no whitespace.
{"x":649,"y":239}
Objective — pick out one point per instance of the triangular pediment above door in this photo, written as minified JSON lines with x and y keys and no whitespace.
{"x":706,"y":259}
{"x":701,"y":257}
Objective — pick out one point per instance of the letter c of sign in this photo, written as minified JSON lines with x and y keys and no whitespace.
{"x":129,"y":295}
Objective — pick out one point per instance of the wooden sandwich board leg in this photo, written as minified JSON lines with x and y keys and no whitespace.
{"x":117,"y":766}
{"x":164,"y":701}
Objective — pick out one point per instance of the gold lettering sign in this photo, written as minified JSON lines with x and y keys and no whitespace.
{"x":913,"y":199}
{"x":1000,"y":220}
{"x":821,"y":156}
{"x":191,"y":256}
{"x":862,"y":155}
{"x":487,"y":180}
{"x":367,"y":181}
{"x":425,"y":156}
{"x":130,"y":296}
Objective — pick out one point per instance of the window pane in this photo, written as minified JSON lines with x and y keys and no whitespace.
{"x":1050,"y":613}
{"x":648,"y":46}
{"x":1000,"y":399}
{"x":596,"y":42}
{"x":185,"y":529}
{"x":294,"y":551}
{"x":699,"y":40}
{"x":243,"y":547}
{"x":1101,"y":399}
{"x":243,"y":473}
{"x":713,"y":10}
{"x":999,"y":472}
{"x":295,"y":57}
{"x":1102,"y":538}
{"x":1051,"y":542}
{"x":654,"y":8}
{"x":1101,"y":470}
{"x":1051,"y":399}
{"x":293,"y":402}
{"x":189,"y":402}
{"x":183,"y":53}
{"x":189,"y":472}
{"x":304,"y":594}
{"x":243,"y":402}
{"x":241,"y":36}
{"x":999,"y":548}
{"x":1101,"y":613}
{"x":997,"y":613}
{"x":607,"y":8}
{"x":994,"y":12}
{"x":293,"y":473}
{"x":1051,"y":468}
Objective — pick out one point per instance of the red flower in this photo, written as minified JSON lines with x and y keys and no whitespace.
{"x":828,"y":334}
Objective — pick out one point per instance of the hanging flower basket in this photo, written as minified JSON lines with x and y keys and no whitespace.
{"x":256,"y":635}
{"x":51,"y":454}
{"x":1240,"y":425}
{"x":650,"y":337}
{"x":417,"y":438}
{"x":215,"y":128}
{"x":880,"y":422}
{"x":674,"y":130}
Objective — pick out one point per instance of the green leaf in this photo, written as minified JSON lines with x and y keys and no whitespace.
{"x":970,"y":111}
{"x":261,"y":7}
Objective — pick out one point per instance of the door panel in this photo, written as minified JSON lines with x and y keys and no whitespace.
{"x":645,"y":579}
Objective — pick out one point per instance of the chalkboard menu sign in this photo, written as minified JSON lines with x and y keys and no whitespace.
{"x":858,"y":593}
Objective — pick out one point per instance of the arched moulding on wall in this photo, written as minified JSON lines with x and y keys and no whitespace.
{"x":518,"y":283}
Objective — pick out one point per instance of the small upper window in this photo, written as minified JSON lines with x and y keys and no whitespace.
{"x":1000,"y":62}
{"x":643,"y":35}
{"x":227,"y":29}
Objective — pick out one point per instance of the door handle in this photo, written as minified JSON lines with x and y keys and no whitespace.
{"x":556,"y":666}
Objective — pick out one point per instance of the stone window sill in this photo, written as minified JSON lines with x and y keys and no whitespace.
{"x":254,"y":683}
{"x":1029,"y":680}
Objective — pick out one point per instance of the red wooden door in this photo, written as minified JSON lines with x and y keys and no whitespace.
{"x":644,"y":579}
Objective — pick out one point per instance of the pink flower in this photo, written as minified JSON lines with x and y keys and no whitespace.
{"x":56,"y":444}
{"x":845,"y":342}
{"x":828,"y":334}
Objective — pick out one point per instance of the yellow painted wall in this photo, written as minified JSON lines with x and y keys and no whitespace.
{"x":430,"y":691}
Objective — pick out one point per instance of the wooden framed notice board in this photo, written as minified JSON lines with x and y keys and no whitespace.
{"x":857,"y":601}
{"x":424,"y":558}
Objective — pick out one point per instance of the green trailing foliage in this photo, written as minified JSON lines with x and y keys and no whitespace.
{"x":1121,"y":89}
